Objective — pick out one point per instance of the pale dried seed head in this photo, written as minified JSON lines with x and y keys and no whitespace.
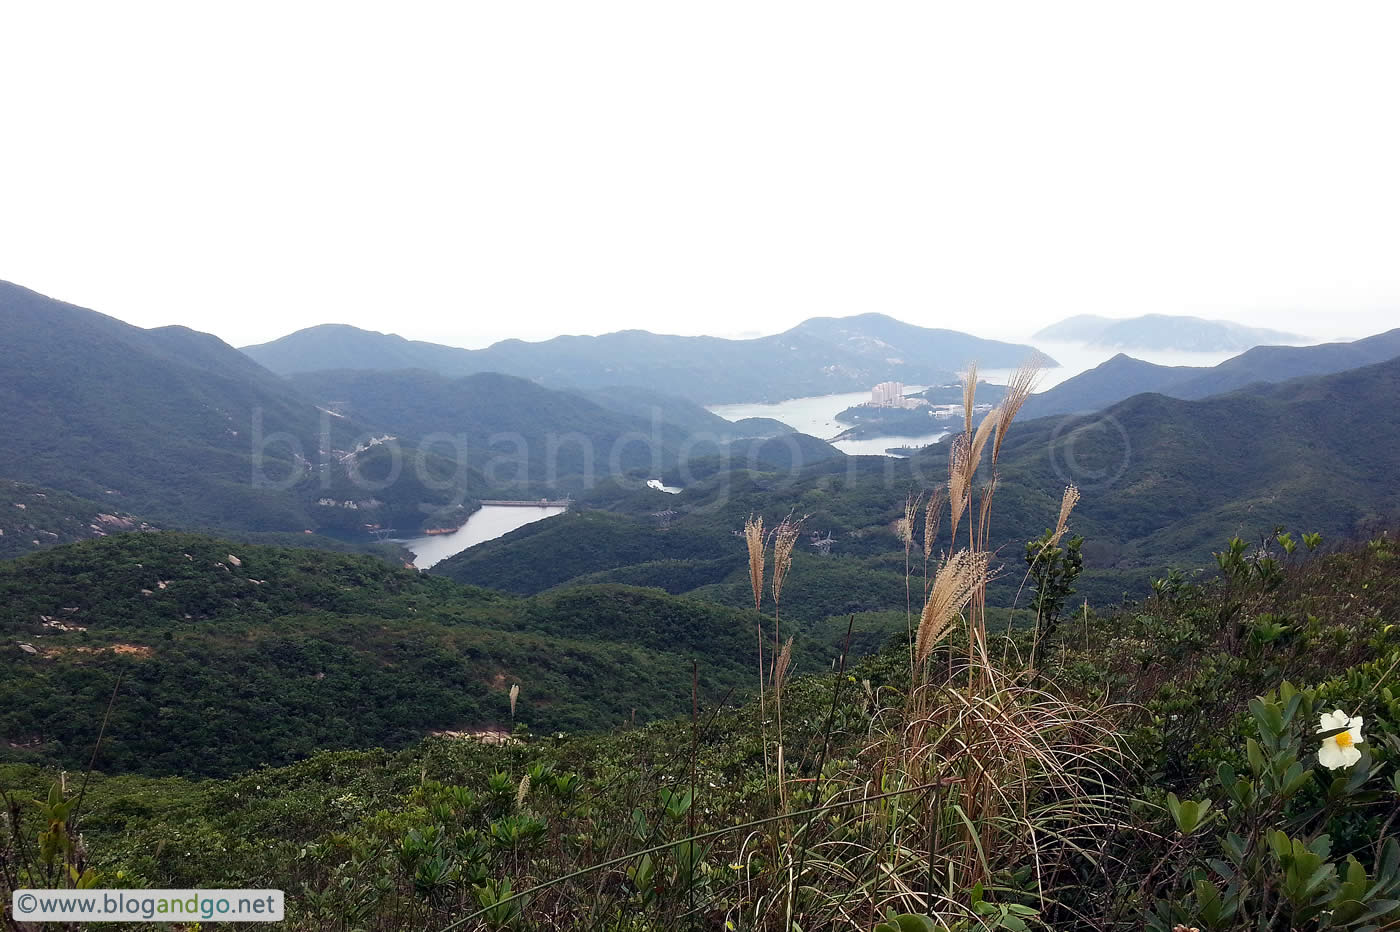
{"x":907,"y":525}
{"x":902,"y":531}
{"x":780,"y":669}
{"x":1067,"y":503}
{"x":957,"y":480}
{"x":784,"y":539}
{"x":1018,"y":389}
{"x":522,"y":791}
{"x":753,"y":537}
{"x":959,"y":578}
{"x":514,"y":694}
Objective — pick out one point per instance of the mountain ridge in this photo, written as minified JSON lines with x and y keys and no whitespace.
{"x":178,"y":427}
{"x":1124,"y":376}
{"x":819,"y":356}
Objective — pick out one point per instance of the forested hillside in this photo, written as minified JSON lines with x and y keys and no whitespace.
{"x":1161,"y":698}
{"x":1163,"y":478}
{"x":34,"y":518}
{"x":182,"y":429}
{"x":232,"y":655}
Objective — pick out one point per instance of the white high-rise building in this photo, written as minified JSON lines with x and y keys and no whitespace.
{"x":888,"y":395}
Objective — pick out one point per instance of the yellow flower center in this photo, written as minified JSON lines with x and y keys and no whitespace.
{"x":1344,"y":740}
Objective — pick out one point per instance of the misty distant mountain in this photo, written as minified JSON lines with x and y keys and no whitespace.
{"x":1123,"y":376}
{"x":1163,"y":332}
{"x":819,"y":356}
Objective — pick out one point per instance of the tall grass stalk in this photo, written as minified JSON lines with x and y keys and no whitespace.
{"x":784,"y":539}
{"x":757,"y":544}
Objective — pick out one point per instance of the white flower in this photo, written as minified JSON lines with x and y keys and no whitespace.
{"x":1340,"y":749}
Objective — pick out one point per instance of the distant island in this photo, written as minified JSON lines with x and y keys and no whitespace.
{"x":952,"y":393}
{"x":1164,"y":332}
{"x":891,"y":412}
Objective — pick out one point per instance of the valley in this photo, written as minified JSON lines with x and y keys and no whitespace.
{"x":361,"y":576}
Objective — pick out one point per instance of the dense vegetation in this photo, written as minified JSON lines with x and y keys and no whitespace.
{"x":692,"y":418}
{"x":1170,"y":816}
{"x":33,"y":518}
{"x":233,"y":655}
{"x":511,"y":427}
{"x":1162,"y":477}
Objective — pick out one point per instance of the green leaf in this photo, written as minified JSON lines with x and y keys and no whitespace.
{"x":1294,"y":779}
{"x":907,"y":922}
{"x":1380,"y":908}
{"x":1189,"y":815}
{"x":1256,"y":756}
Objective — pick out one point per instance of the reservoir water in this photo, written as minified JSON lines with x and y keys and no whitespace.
{"x":487,"y":523}
{"x":816,"y":414}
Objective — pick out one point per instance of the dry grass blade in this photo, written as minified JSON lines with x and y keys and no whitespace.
{"x":753,"y":537}
{"x":911,"y":515}
{"x":1019,"y":737}
{"x":1067,"y":503}
{"x":933,"y":516}
{"x":979,"y":442}
{"x":1018,"y":389}
{"x":984,"y":511}
{"x":784,"y":539}
{"x":969,"y":395}
{"x":952,"y":589}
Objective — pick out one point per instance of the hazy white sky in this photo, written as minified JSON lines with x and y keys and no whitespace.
{"x":466,"y":171}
